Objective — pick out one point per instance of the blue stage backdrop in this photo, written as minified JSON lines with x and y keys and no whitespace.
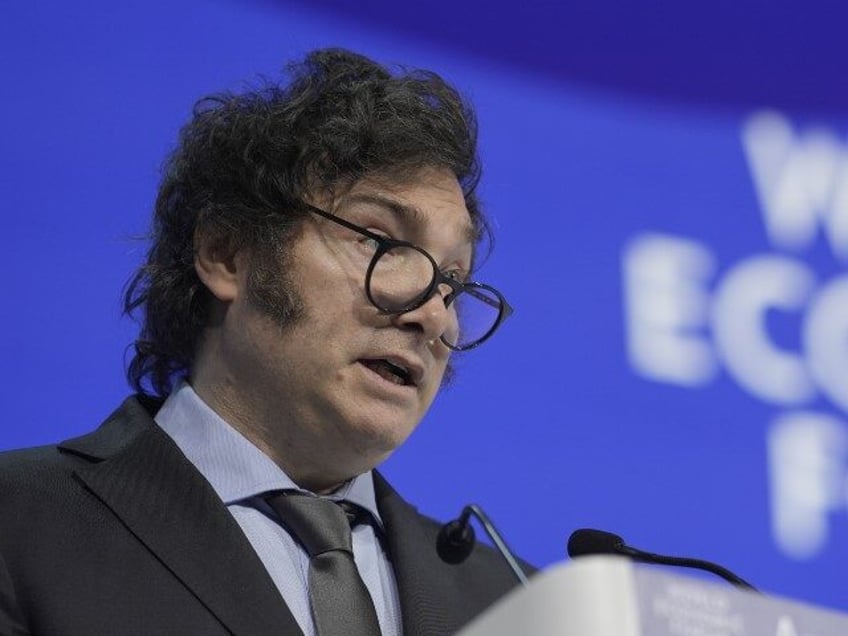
{"x":676,"y":369}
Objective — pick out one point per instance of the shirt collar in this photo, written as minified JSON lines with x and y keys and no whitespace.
{"x":232,"y":464}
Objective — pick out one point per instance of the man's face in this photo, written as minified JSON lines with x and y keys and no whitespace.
{"x":324,"y":391}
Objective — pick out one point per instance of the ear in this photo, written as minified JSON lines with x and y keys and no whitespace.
{"x":223,"y":273}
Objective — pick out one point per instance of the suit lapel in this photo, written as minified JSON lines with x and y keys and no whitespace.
{"x":428,"y":594}
{"x":144,"y":479}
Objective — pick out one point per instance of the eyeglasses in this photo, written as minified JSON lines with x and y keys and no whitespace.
{"x":402,"y":277}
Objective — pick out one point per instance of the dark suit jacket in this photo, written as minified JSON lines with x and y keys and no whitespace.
{"x":116,"y":533}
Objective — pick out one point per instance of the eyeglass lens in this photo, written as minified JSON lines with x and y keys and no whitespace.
{"x":400,"y":279}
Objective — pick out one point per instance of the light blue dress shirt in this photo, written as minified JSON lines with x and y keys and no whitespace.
{"x":239,"y":473}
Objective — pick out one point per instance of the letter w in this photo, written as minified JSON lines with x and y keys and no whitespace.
{"x":801,"y":181}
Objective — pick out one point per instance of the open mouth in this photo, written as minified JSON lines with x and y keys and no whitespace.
{"x":389,"y":371}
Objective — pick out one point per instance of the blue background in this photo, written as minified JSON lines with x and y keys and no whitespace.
{"x":599,"y":121}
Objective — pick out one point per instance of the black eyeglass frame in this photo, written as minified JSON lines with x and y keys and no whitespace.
{"x":384,"y":244}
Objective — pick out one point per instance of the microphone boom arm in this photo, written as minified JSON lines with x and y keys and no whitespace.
{"x":685,"y":562}
{"x":495,"y":536}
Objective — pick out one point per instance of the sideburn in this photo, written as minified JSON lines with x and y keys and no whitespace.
{"x":270,"y":287}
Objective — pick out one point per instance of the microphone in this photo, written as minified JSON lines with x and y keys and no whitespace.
{"x":586,"y":541}
{"x":456,"y":540}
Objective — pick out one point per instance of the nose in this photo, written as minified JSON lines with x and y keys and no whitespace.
{"x":432,"y":318}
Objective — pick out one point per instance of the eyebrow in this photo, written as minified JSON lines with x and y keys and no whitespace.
{"x":409,"y":212}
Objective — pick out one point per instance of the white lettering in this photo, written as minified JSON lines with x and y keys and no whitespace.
{"x":666,"y":307}
{"x":825,"y":336}
{"x":807,"y":462}
{"x":743,"y":298}
{"x":801,"y":182}
{"x":680,"y":326}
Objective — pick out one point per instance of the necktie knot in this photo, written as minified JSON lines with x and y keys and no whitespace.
{"x":319,"y":524}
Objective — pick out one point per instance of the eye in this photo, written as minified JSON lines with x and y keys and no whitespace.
{"x":459,"y":275}
{"x":372,"y":243}
{"x":368,"y":242}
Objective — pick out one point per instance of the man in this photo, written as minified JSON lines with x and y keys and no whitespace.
{"x":306,"y":285}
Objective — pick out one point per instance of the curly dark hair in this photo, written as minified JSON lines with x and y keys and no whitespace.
{"x":245,"y":162}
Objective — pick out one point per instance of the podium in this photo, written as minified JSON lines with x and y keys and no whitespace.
{"x":612,"y":596}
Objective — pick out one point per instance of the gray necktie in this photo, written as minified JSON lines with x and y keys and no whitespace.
{"x":341,"y":604}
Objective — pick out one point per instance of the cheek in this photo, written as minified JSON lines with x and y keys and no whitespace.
{"x":332,"y":288}
{"x":333,"y":312}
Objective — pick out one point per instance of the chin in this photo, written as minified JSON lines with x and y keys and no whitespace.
{"x":385,"y":442}
{"x":380,"y":441}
